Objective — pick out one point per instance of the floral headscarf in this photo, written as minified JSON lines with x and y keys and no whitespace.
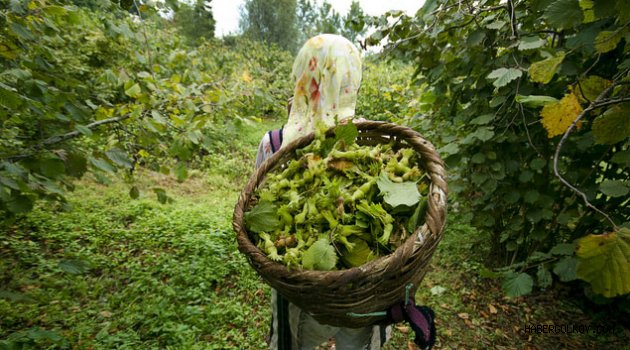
{"x":327,"y":75}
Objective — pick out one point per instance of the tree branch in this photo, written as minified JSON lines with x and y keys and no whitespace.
{"x":556,"y":156}
{"x":612,"y":102}
{"x":60,"y":138}
{"x":67,"y":136}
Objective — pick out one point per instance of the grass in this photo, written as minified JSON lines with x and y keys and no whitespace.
{"x":118,"y":273}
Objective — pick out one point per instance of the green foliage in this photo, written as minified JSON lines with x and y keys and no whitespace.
{"x":195,"y":21}
{"x":354,"y":22}
{"x":271,"y":21}
{"x":91,"y":91}
{"x":498,"y":128}
{"x":118,"y":273}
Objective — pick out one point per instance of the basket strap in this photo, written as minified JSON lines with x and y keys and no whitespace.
{"x":275,"y":136}
{"x":420,"y":318}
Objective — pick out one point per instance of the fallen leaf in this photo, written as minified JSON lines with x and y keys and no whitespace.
{"x":105,"y":314}
{"x":403,"y":329}
{"x":493,"y":310}
{"x":463,"y":316}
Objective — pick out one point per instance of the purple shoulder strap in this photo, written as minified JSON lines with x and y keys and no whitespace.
{"x":276,"y":139}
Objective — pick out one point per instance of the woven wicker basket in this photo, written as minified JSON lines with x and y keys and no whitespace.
{"x":331,"y":296}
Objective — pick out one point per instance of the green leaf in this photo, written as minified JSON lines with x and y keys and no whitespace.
{"x":537,"y":163}
{"x":503,"y":76}
{"x":543,"y":71}
{"x":359,"y":255}
{"x":604,"y":262}
{"x":347,"y":132}
{"x":83,"y":129}
{"x":134,"y":192}
{"x":535,"y":100}
{"x":158,"y":117}
{"x":119,"y":157}
{"x":19,"y":73}
{"x":544,"y":277}
{"x":451,"y":148}
{"x":608,"y":40}
{"x":604,"y":8}
{"x":483,"y":119}
{"x":9,"y":99}
{"x":73,"y":266}
{"x":516,"y":285}
{"x":482,"y":134}
{"x":563,"y":249}
{"x":181,"y":172}
{"x":418,"y":214}
{"x":320,"y":256}
{"x":263,"y":218}
{"x":9,"y":182}
{"x":22,"y":32}
{"x":614,"y":188}
{"x":76,"y":164}
{"x":530,"y":43}
{"x":102,"y":164}
{"x":20,"y":204}
{"x":52,"y":167}
{"x":396,"y":194}
{"x":623,"y":10}
{"x":613,"y":126}
{"x":134,"y":91}
{"x":622,"y":158}
{"x":565,"y":269}
{"x":478,"y":158}
{"x":531,"y":196}
{"x":525,"y":176}
{"x":495,"y":25}
{"x":162,"y":197}
{"x":564,"y":14}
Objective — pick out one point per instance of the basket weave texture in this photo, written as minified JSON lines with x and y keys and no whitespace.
{"x":331,"y":296}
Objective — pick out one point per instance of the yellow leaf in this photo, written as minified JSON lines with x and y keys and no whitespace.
{"x":557,"y":117}
{"x":246,"y":77}
{"x":604,"y":262}
{"x":543,"y":71}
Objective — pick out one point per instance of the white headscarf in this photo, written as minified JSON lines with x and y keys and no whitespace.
{"x":327,"y":76}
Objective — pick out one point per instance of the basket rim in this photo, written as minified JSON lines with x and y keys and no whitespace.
{"x":439,"y":205}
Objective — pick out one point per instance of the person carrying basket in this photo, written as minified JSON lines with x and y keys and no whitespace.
{"x":327,"y":76}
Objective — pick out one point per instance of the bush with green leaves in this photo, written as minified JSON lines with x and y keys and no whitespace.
{"x":529,"y":103}
{"x":104,"y":91}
